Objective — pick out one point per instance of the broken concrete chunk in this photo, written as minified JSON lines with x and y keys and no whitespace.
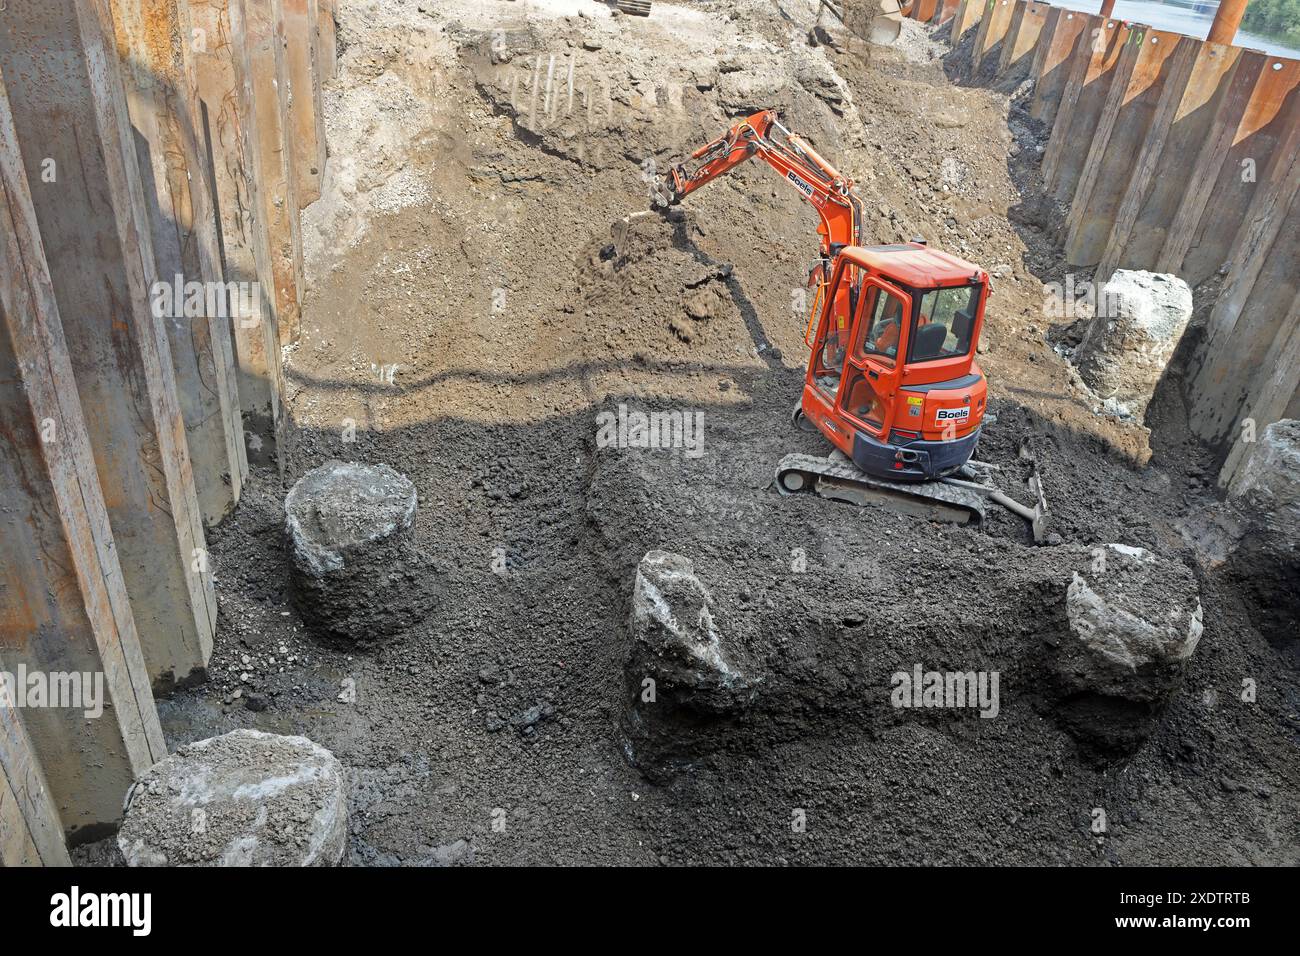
{"x":1268,"y":485}
{"x":1133,"y":622}
{"x":681,"y":675}
{"x":1140,"y":319}
{"x":673,"y":632}
{"x":357,"y":573}
{"x":1266,"y":561}
{"x":246,"y":798}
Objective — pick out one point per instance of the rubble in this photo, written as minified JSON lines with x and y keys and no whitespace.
{"x":355,"y":567}
{"x":245,"y":798}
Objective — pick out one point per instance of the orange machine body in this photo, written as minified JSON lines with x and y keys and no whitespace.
{"x":899,"y":405}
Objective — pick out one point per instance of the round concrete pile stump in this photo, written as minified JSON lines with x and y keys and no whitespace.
{"x":357,"y":574}
{"x":243,"y":799}
{"x":1141,"y":316}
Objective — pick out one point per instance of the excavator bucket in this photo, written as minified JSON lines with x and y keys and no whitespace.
{"x":876,"y":21}
{"x":636,"y":8}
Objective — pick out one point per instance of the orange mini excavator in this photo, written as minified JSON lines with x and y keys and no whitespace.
{"x":892,"y":381}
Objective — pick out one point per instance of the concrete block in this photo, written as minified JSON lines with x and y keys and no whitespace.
{"x":1052,"y":59}
{"x":64,"y":608}
{"x":1152,"y":61}
{"x":307,"y":119}
{"x":1133,"y":623}
{"x":1183,"y":120}
{"x":245,"y":798}
{"x":698,"y":674}
{"x":75,"y":143}
{"x":1140,"y":320}
{"x":1249,"y":124}
{"x":358,"y":574}
{"x":1082,"y":101}
{"x":229,"y":126}
{"x":160,"y":86}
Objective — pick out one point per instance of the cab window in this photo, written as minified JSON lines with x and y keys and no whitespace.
{"x":945,"y":323}
{"x":881,"y":326}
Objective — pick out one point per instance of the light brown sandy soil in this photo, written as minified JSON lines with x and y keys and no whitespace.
{"x":463,"y":239}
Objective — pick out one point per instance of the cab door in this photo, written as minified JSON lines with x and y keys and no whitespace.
{"x":874,"y":367}
{"x":830,"y":347}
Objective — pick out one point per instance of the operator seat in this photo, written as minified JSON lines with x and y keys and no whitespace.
{"x":929,"y":341}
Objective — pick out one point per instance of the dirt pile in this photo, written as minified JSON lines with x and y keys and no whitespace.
{"x":652,"y":269}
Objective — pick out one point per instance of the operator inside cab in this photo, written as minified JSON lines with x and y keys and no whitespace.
{"x":888,"y":327}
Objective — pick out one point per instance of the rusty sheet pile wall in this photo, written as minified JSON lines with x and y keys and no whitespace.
{"x":1175,"y":155}
{"x":154,"y":158}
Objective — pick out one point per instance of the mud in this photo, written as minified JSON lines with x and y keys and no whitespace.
{"x":475,"y":329}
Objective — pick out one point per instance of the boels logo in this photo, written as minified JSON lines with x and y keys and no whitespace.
{"x":952,"y":414}
{"x":802,"y":185}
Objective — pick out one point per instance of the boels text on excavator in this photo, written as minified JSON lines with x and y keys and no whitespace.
{"x":892,"y":380}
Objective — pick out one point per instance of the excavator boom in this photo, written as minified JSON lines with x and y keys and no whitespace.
{"x":793,"y":157}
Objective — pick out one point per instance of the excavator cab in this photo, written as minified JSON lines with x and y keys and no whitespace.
{"x":892,"y":381}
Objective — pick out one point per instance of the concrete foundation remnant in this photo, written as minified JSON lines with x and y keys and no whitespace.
{"x":1140,"y":319}
{"x":245,"y":798}
{"x":681,"y":674}
{"x":1133,"y":622}
{"x":357,"y":574}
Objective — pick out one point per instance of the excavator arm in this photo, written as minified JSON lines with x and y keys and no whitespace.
{"x":793,"y":157}
{"x":796,"y":161}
